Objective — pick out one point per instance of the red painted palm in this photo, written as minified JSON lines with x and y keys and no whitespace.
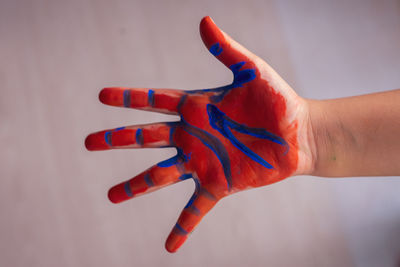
{"x":250,"y":133}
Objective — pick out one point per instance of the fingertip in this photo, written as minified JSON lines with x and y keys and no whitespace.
{"x":114,"y":195}
{"x":205,"y":20}
{"x":96,"y":141}
{"x":174,"y":242}
{"x":169,"y":249}
{"x":210,"y":33}
{"x":88,"y":142}
{"x":205,"y":26}
{"x":104,"y":95}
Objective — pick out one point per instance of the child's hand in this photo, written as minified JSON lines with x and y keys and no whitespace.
{"x":251,"y":133}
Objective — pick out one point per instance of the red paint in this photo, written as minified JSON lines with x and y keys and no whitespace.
{"x":174,"y":242}
{"x":160,"y":177}
{"x":164,"y":100}
{"x":96,"y":141}
{"x":117,"y":194}
{"x":123,"y":138}
{"x":153,"y":135}
{"x":255,"y":104}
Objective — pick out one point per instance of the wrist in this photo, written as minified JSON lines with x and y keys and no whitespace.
{"x":319,"y":141}
{"x":332,"y":144}
{"x":307,"y":146}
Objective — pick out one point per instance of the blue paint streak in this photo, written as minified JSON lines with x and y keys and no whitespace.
{"x":173,"y":125}
{"x":181,"y":230}
{"x":222,"y":123}
{"x":139,"y":136}
{"x":178,"y":159}
{"x":240,"y":77}
{"x":181,"y":102}
{"x":207,"y":194}
{"x":216,"y":49}
{"x":108,"y":135}
{"x":190,"y":205}
{"x":197,"y":184}
{"x":169,"y":162}
{"x":195,"y":210}
{"x":171,"y":135}
{"x":191,"y":200}
{"x":127,"y":98}
{"x":128,"y":190}
{"x":150,"y":97}
{"x":148,"y":180}
{"x":258,"y":132}
{"x":185,"y":176}
{"x":215,"y":145}
{"x":247,"y":151}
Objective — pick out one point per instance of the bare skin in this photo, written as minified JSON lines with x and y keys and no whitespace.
{"x":356,"y":136}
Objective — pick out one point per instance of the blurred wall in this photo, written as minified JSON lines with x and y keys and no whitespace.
{"x":56,"y":55}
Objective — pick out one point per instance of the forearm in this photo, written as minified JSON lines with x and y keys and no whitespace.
{"x":356,"y":136}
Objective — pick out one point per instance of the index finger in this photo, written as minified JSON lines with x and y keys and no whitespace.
{"x":160,"y":100}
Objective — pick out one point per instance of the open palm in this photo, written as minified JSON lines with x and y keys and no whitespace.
{"x":250,"y":133}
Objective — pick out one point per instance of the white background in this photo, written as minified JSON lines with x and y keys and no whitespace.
{"x":56,"y":55}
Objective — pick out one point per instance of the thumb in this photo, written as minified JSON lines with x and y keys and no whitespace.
{"x":223,"y":47}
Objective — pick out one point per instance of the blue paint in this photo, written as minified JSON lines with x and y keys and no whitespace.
{"x":139,"y":136}
{"x":180,"y":230}
{"x":215,"y":145}
{"x":197,"y":184}
{"x":150,"y":98}
{"x":247,"y":151}
{"x":257,"y":132}
{"x":207,"y":194}
{"x":240,"y":77}
{"x":107,"y":137}
{"x":173,"y":125}
{"x":191,"y":200}
{"x":171,"y":134}
{"x":127,"y":98}
{"x":195,"y":210}
{"x":180,"y":158}
{"x":148,"y":180}
{"x":185,"y":176}
{"x":169,"y":162}
{"x":128,"y":189}
{"x":223,"y":124}
{"x":195,"y":194}
{"x":216,"y":49}
{"x":199,"y":190}
{"x":190,"y":205}
{"x":181,"y":102}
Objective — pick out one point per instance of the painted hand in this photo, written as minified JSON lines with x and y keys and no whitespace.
{"x":251,"y":133}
